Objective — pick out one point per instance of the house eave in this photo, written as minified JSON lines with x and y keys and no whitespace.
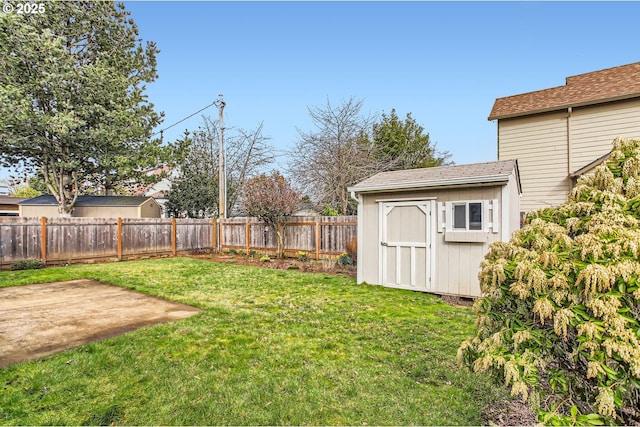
{"x":563,"y":107}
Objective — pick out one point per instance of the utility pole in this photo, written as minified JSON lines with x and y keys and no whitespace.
{"x":222,"y":179}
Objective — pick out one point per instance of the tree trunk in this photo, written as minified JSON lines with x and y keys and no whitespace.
{"x":64,"y":210}
{"x":280,"y":234}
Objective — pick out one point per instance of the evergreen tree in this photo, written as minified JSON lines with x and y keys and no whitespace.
{"x":72,"y":102}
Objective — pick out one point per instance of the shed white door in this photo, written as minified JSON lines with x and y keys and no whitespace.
{"x":405,"y":248}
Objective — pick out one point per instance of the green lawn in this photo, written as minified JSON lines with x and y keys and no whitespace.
{"x":270,"y":348}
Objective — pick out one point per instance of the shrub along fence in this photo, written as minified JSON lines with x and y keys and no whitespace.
{"x":65,"y":240}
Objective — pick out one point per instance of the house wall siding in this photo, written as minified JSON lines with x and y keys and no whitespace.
{"x":549,"y":147}
{"x":539,"y":143}
{"x":593,"y":129}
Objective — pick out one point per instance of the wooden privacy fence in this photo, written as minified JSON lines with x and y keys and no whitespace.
{"x":317,"y":236}
{"x":62,"y":240}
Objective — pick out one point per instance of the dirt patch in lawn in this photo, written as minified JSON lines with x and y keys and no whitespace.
{"x":38,"y":320}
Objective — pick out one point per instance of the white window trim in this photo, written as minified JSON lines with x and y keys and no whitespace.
{"x":489,"y":222}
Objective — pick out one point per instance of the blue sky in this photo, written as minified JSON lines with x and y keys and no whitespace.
{"x":445,"y":62}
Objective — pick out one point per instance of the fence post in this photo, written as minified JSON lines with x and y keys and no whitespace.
{"x":214,"y":235}
{"x":174,"y":234}
{"x":317,"y":238}
{"x":248,"y":236}
{"x":43,"y":239}
{"x":220,"y":236}
{"x":119,"y":238}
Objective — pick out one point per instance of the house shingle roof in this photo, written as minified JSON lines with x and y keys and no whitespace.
{"x":49,"y":200}
{"x":611,"y":84}
{"x":441,"y":176}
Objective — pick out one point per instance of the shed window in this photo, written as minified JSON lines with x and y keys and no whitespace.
{"x":475,"y":216}
{"x":467,"y":216}
{"x":460,"y":216}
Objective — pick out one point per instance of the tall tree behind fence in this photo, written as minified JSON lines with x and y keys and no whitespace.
{"x":62,"y":240}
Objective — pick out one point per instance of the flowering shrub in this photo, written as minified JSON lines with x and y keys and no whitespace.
{"x":559,"y":318}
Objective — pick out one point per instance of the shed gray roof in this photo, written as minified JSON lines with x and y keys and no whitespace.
{"x":441,"y":176}
{"x":49,"y":200}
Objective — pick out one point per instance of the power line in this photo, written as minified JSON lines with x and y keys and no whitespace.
{"x":186,"y":118}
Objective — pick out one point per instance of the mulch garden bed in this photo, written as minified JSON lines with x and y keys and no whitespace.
{"x":313,"y":266}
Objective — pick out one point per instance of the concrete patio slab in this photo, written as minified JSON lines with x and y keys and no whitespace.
{"x":42,"y":319}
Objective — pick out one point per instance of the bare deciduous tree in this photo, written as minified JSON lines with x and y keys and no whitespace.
{"x":334,"y":156}
{"x":194,"y":191}
{"x":347,"y":147}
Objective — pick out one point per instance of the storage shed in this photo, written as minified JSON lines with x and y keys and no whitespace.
{"x":428,"y":229}
{"x":94,"y":207}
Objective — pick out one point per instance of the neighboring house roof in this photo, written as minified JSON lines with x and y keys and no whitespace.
{"x":158,"y":195}
{"x":611,"y":84}
{"x":306,"y":209}
{"x":8,"y":200}
{"x":441,"y":176}
{"x":163,"y":185}
{"x":49,"y":200}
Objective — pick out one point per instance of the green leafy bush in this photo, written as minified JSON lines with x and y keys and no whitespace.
{"x":344,"y":259}
{"x":28,"y":264}
{"x":559,"y":320}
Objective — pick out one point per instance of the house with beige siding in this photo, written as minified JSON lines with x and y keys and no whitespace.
{"x":558,"y":133}
{"x":428,"y":229}
{"x":9,"y":205}
{"x":94,"y":207}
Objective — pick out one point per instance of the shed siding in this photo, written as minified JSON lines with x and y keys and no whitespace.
{"x":592,"y":130}
{"x":370,"y":239}
{"x":106,"y":212}
{"x":150,"y":209}
{"x":539,"y":144}
{"x":93,"y":211}
{"x":39,"y":211}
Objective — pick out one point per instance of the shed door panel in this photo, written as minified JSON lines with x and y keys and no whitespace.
{"x":405,"y":245}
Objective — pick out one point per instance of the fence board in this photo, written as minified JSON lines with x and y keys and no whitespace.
{"x":300,"y":235}
{"x":70,"y":239}
{"x":19,"y":239}
{"x":194,"y":234}
{"x":148,"y":236}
